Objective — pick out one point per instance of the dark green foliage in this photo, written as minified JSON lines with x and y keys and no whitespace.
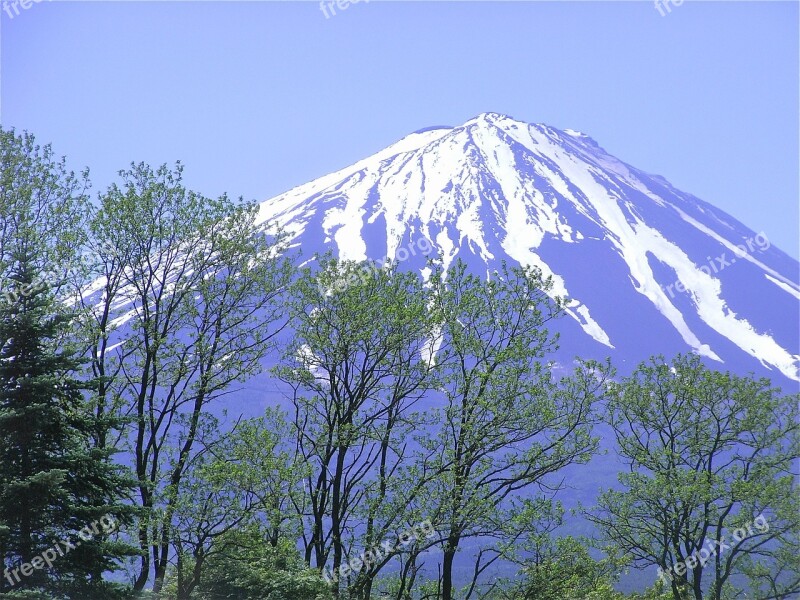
{"x":250,"y":568}
{"x":53,"y":483}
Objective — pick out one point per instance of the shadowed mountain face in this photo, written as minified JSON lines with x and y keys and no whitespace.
{"x":649,"y":269}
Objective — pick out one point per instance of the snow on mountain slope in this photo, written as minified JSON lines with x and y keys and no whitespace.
{"x":648,"y":268}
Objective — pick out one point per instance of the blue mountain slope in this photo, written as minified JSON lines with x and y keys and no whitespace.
{"x":649,"y":269}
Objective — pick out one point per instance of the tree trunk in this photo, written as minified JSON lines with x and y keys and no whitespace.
{"x":697,"y":579}
{"x":447,"y":566}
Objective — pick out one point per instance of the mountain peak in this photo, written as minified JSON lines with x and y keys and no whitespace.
{"x":491,"y":117}
{"x":648,"y":269}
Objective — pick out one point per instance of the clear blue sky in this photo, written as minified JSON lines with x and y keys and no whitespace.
{"x":257,"y":97}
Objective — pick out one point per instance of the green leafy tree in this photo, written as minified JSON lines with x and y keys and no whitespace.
{"x":563,"y":568}
{"x":186,"y":303}
{"x":244,"y":477}
{"x":711,"y":488}
{"x":507,"y":423}
{"x":42,"y":204}
{"x":359,"y":363}
{"x":554,"y":567}
{"x":777,"y":576}
{"x":249,"y":567}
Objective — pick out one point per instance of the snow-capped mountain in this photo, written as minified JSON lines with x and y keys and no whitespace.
{"x":649,"y":269}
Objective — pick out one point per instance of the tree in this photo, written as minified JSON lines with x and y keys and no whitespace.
{"x":359,"y":362}
{"x":507,"y":424}
{"x":185,"y":304}
{"x":55,"y":483}
{"x":42,"y":203}
{"x":55,"y":487}
{"x":710,"y":492}
{"x":250,"y":568}
{"x":777,"y":576}
{"x":242,"y":478}
{"x":563,"y":568}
